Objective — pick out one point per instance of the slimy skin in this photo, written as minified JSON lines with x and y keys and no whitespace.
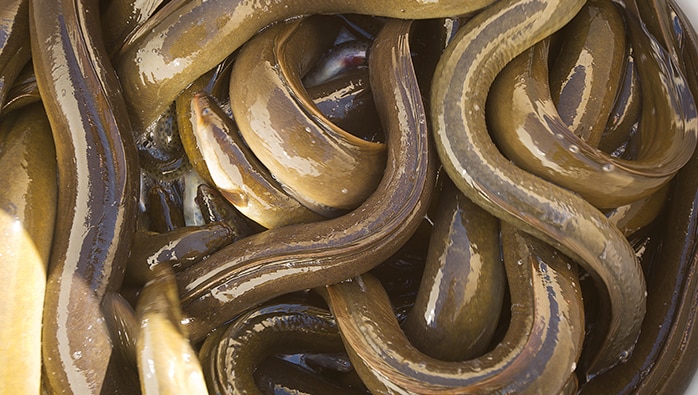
{"x":586,"y":73}
{"x":98,"y":178}
{"x":323,"y":166}
{"x":295,"y":257}
{"x":559,"y":217}
{"x":626,"y":111}
{"x":178,"y":248}
{"x":537,"y":355}
{"x":664,"y":358}
{"x":535,"y":137}
{"x":237,"y":173}
{"x":28,"y":199}
{"x":461,"y":294}
{"x":167,"y":362}
{"x":231,"y":357}
{"x":178,"y":47}
{"x":15,"y":50}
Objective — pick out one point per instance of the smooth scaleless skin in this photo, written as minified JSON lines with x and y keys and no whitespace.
{"x":230,"y":357}
{"x":586,"y":73}
{"x":14,"y":43}
{"x":463,"y":78}
{"x":461,"y":293}
{"x":98,"y":178}
{"x":537,"y":355}
{"x":323,"y":166}
{"x":664,"y":358}
{"x":167,"y":363}
{"x":296,"y":257}
{"x":188,"y":38}
{"x":535,"y":136}
{"x":28,"y":197}
{"x":238,"y":174}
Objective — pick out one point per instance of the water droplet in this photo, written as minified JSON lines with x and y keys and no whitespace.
{"x":77,"y":354}
{"x":624,"y":356}
{"x":63,"y":92}
{"x":344,"y":190}
{"x":573,"y":149}
{"x":604,"y":252}
{"x":139,"y":59}
{"x":608,"y":167}
{"x":560,"y":136}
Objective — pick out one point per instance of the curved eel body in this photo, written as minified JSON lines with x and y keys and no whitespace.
{"x":167,"y":363}
{"x":237,"y":173}
{"x":278,"y":376}
{"x":623,"y":120}
{"x":231,"y":357}
{"x":98,"y":175}
{"x":347,"y":102}
{"x":457,"y":307}
{"x":28,"y":197}
{"x":297,"y":257}
{"x":323,"y":166}
{"x":588,"y":69}
{"x":15,"y":50}
{"x":538,"y":140}
{"x":186,"y":119}
{"x":664,"y":360}
{"x":179,"y":47}
{"x":24,"y":90}
{"x":123,"y":324}
{"x":121,"y":19}
{"x":559,"y":217}
{"x":537,"y":355}
{"x":178,"y":248}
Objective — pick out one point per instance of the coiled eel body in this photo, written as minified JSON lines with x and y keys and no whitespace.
{"x":296,"y":257}
{"x":98,"y":175}
{"x":463,"y":77}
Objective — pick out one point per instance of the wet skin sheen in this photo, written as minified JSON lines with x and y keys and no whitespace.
{"x":98,"y":178}
{"x":465,"y":73}
{"x":296,"y":257}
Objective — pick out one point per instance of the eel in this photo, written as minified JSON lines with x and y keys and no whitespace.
{"x":98,"y":177}
{"x":28,"y":205}
{"x":296,"y":257}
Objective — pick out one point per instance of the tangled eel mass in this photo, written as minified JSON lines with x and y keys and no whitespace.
{"x":348,"y":196}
